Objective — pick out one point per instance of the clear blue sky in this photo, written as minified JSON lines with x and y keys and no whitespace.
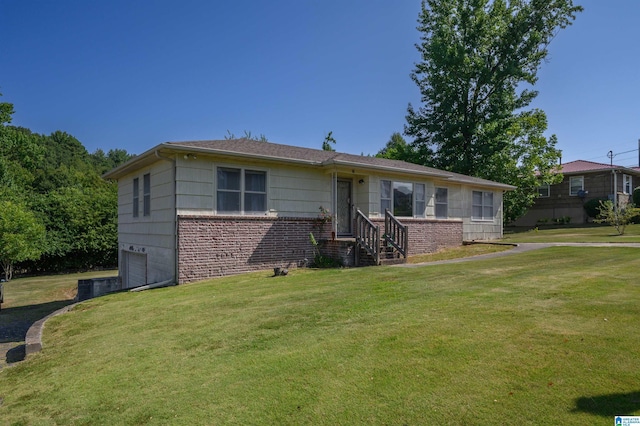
{"x":131,"y":74}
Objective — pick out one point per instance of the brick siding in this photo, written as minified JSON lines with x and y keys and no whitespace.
{"x":214,"y":246}
{"x":429,"y":235}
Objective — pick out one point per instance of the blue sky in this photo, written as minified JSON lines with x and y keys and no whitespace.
{"x":132,"y":74}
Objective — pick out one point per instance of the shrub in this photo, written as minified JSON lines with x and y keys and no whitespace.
{"x":636,"y":196}
{"x":320,"y":260}
{"x":592,"y":207}
{"x":618,"y":218}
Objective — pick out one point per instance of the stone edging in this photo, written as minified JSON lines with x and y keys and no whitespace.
{"x":33,"y":340}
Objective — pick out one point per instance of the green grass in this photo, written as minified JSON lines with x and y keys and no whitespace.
{"x":572,"y":234}
{"x":26,"y":300}
{"x":459,"y":252}
{"x":543,"y":337}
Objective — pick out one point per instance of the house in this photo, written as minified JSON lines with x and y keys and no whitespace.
{"x":189,"y":211}
{"x":583,"y":181}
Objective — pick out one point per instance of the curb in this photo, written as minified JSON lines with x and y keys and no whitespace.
{"x":33,"y":340}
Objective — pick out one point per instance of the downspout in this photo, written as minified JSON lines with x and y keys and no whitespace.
{"x":334,"y":202}
{"x":160,"y":284}
{"x":615,"y":190}
{"x":175,"y":211}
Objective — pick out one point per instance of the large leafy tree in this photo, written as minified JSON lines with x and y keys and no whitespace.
{"x":54,"y":180}
{"x":479,"y":64}
{"x":22,"y":236}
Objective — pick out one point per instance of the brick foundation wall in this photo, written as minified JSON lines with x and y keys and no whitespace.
{"x":428,"y":235}
{"x":214,"y":246}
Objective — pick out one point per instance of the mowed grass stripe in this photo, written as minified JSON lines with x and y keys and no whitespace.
{"x":520,"y":340}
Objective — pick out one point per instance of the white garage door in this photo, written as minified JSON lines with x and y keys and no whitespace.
{"x":135,"y":269}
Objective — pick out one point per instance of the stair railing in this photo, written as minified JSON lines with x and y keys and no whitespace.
{"x":396,"y":234}
{"x":367,"y":237}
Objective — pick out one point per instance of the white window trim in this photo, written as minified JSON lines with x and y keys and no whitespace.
{"x":415,"y":214}
{"x":483,"y":218}
{"x":242,"y":191}
{"x":627,"y":179}
{"x":571,"y":194}
{"x":546,"y":187}
{"x":436,"y":203}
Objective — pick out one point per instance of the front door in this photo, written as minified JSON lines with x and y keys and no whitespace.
{"x":344,"y":207}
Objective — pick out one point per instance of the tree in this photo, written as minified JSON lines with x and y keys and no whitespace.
{"x":479,"y":61}
{"x":105,"y":162}
{"x":21,"y":236}
{"x":397,"y":149}
{"x":247,"y":135}
{"x":6,"y":111}
{"x":328,"y":140}
{"x":619,"y":217}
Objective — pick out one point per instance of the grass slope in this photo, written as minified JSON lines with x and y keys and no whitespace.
{"x":545,"y":337}
{"x":572,"y":234}
{"x":26,"y":300}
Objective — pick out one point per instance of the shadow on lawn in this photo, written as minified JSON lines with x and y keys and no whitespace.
{"x":615,"y":404}
{"x":15,"y":322}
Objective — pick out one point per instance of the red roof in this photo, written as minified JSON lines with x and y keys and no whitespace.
{"x":590,"y":166}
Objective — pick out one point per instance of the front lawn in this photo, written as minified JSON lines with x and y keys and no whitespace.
{"x":572,"y":234}
{"x":543,"y":337}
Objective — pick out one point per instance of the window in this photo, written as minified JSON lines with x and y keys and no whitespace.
{"x":442,"y":203}
{"x":146,"y":194}
{"x":626,"y":184}
{"x":136,"y":197}
{"x":482,"y":205}
{"x":401,"y":198}
{"x":544,"y":191}
{"x":576,"y":184}
{"x":255,"y":191}
{"x":241,"y":191}
{"x":385,"y":195}
{"x":420,"y":199}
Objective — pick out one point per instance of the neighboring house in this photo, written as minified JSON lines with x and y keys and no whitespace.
{"x":189,"y":211}
{"x":583,"y":181}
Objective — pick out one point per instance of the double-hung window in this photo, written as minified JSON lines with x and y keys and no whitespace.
{"x":482,"y":205}
{"x":442,"y":203}
{"x":403,"y":199}
{"x":626,"y":184}
{"x":544,"y":191}
{"x":576,"y":184}
{"x":136,"y":197}
{"x":386,"y":201}
{"x":241,"y":191}
{"x":146,"y":195}
{"x":421,"y":201}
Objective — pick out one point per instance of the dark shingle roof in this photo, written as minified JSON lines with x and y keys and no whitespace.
{"x":278,"y":152}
